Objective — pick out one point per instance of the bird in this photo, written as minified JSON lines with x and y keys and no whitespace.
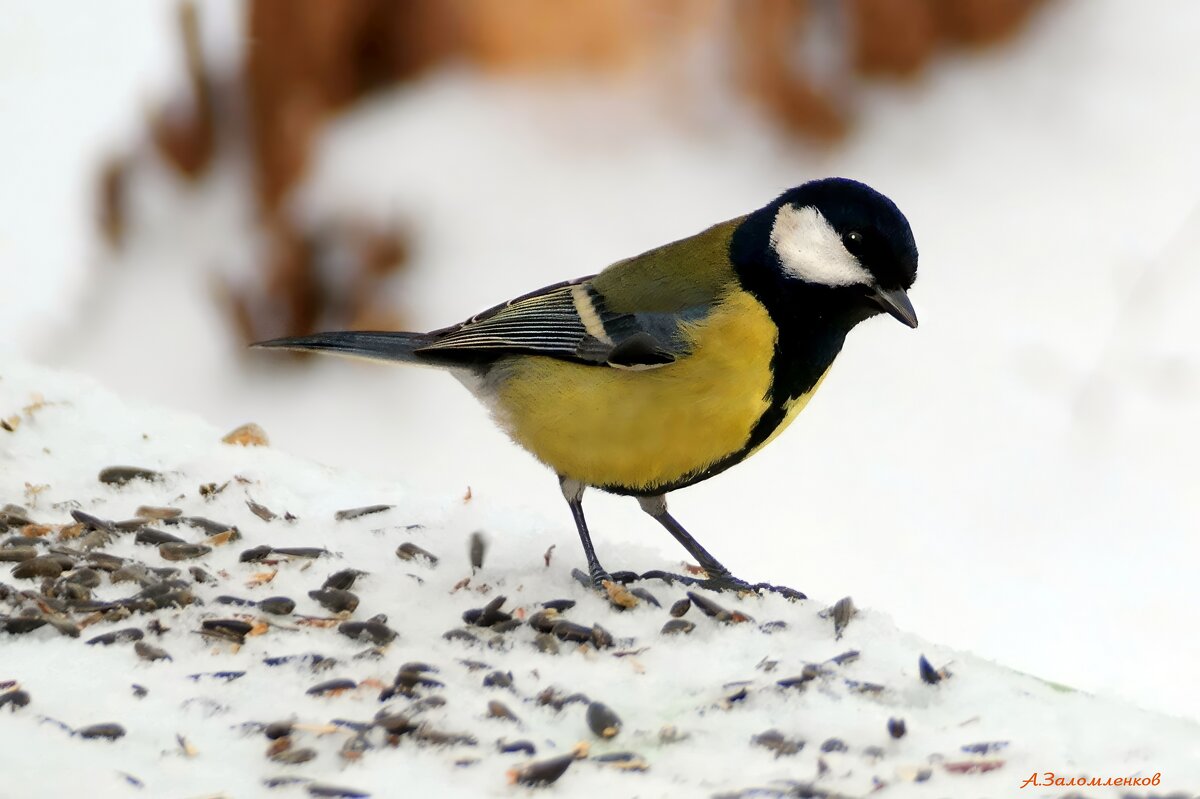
{"x":669,"y":367}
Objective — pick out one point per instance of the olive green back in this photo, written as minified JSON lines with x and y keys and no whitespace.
{"x":684,"y":274}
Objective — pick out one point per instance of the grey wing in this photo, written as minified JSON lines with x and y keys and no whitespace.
{"x":569,"y":321}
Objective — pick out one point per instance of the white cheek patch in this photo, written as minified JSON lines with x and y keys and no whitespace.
{"x":810,"y":249}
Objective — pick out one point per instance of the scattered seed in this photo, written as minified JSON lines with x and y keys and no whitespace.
{"x":842,"y":612}
{"x":677,"y":627}
{"x":293,"y":757}
{"x":834,"y":745}
{"x":569,"y":631}
{"x":524,"y":747}
{"x":150,"y":652}
{"x":342,"y":580}
{"x":377,"y":632}
{"x":601,"y":638}
{"x":334,"y":600}
{"x":983,"y":748}
{"x":929,"y":674}
{"x":476,"y":549}
{"x":542,"y":772}
{"x":896,"y":727}
{"x":277,"y":605}
{"x":40,"y":566}
{"x":14,"y":699}
{"x":278,"y":729}
{"x":261,"y":511}
{"x":182,"y":551}
{"x":680,"y":608}
{"x":229,"y":629}
{"x":643,"y":594}
{"x":91,"y":522}
{"x":107,"y":731}
{"x":129,"y":634}
{"x":335,"y":791}
{"x":460,"y":635}
{"x":248,"y":435}
{"x":625,"y":761}
{"x":410,"y":551}
{"x":332,"y":687}
{"x":354,"y":513}
{"x":499,"y":710}
{"x":619,"y":596}
{"x":301,"y":552}
{"x":120,"y":475}
{"x":559,"y":605}
{"x":156,"y":513}
{"x":707,"y":606}
{"x":544,"y":620}
{"x":546,"y":643}
{"x":845,"y":658}
{"x":209,"y":526}
{"x":602,"y":720}
{"x":17,"y":554}
{"x":394,"y":723}
{"x":255,"y":554}
{"x":777,"y":742}
{"x":498,"y":679}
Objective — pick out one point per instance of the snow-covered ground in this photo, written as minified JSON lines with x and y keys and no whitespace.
{"x":1015,"y":479}
{"x":696,"y":710}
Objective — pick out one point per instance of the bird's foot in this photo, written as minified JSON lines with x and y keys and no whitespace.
{"x":723,"y":581}
{"x":598,"y":577}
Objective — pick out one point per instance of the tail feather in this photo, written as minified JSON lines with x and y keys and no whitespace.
{"x":375,"y":345}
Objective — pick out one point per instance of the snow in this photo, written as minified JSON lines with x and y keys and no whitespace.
{"x":1014,"y":479}
{"x":203,"y":736}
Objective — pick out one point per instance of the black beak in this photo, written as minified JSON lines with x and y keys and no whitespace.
{"x":896,"y":303}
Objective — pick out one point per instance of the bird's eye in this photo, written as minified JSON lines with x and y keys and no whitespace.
{"x":853,"y":241}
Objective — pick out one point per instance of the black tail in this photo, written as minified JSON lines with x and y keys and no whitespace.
{"x":376,"y":345}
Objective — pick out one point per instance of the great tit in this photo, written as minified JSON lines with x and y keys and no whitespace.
{"x":667,"y":368}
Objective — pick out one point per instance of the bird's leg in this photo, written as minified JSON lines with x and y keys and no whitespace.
{"x":573,"y":492}
{"x":718,"y":575}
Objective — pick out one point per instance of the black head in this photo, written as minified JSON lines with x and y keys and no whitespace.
{"x":839,"y":237}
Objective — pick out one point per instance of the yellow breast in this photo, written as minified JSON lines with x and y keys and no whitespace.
{"x":640,"y":429}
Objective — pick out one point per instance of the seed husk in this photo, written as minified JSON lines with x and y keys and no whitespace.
{"x":354,"y":513}
{"x":109,"y":731}
{"x":247,"y":435}
{"x":541,"y":772}
{"x":183,"y":551}
{"x":334,"y":600}
{"x":120,"y":475}
{"x":678,"y":627}
{"x":547,"y":643}
{"x":261,"y":511}
{"x":603,"y":720}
